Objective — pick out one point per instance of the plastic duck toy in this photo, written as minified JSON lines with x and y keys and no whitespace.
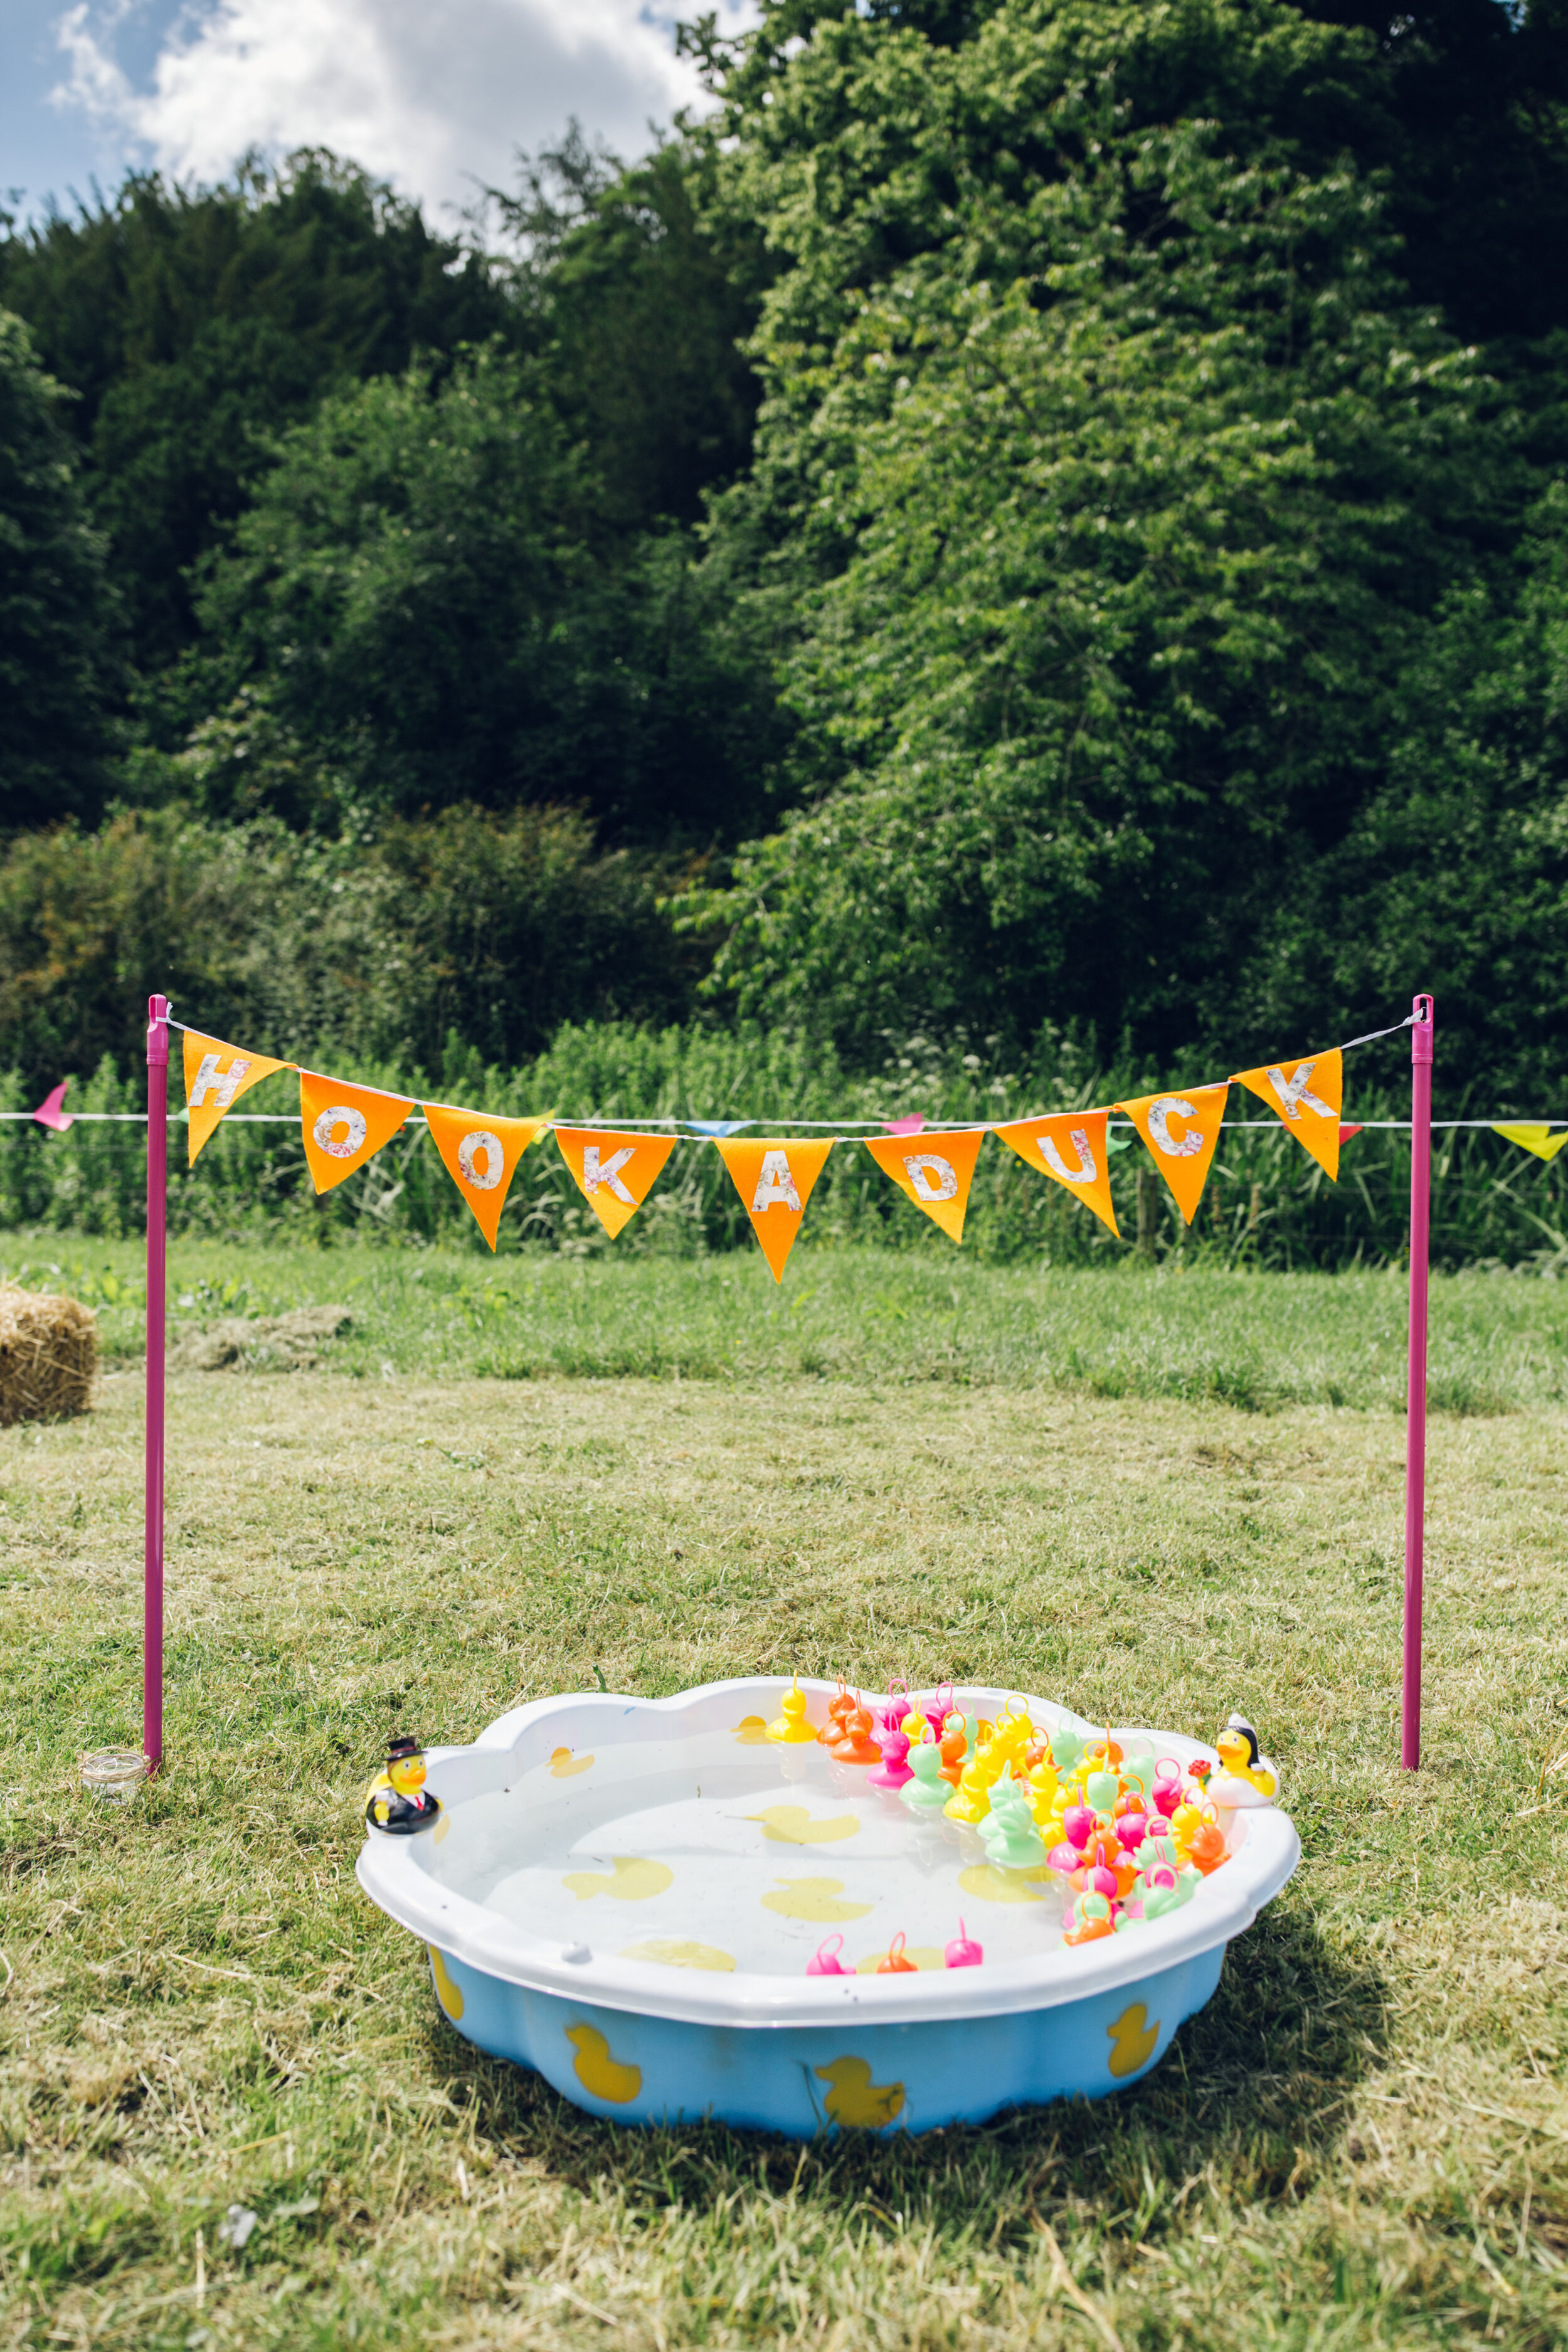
{"x":954,"y":1747}
{"x":970,"y":1800}
{"x":893,"y":1740}
{"x":1207,"y":1848}
{"x":963,"y":1952}
{"x":927,"y":1790}
{"x":825,"y":1963}
{"x":398,"y":1803}
{"x":1092,"y":1918}
{"x":1245,"y":1776}
{"x":1012,"y":1841}
{"x":857,"y":1747}
{"x":791,"y":1728}
{"x":937,"y":1713}
{"x":1066,"y":1748}
{"x":839,"y":1711}
{"x":895,"y":1964}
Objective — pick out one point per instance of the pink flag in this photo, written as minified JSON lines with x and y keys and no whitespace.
{"x":52,"y":1112}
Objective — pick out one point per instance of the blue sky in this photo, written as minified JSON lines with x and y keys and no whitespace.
{"x":432,"y":94}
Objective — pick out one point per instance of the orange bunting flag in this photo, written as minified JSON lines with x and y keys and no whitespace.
{"x":344,"y":1126}
{"x":1309,"y":1097}
{"x":215,"y":1076}
{"x":480,"y":1154}
{"x":775,"y":1179}
{"x":615,"y":1172}
{"x":1069,"y":1146}
{"x":1181,"y":1132}
{"x":937,"y":1178}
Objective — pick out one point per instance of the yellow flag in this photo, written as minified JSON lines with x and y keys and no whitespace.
{"x":1308,"y":1096}
{"x":1181,"y":1132}
{"x":215,"y":1076}
{"x":480,"y":1154}
{"x":615,"y":1172}
{"x":774,"y":1181}
{"x":936,"y":1173}
{"x":1538,"y":1139}
{"x":344,"y":1126}
{"x":1069,"y":1146}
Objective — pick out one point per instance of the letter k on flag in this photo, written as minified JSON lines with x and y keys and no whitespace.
{"x":615,"y":1172}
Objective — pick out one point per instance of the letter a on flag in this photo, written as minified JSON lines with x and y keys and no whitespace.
{"x":936,"y":1173}
{"x":480,"y":1154}
{"x":215,"y":1076}
{"x":774,"y":1181}
{"x":615,"y":1172}
{"x":1307,"y":1096}
{"x":1181,"y":1132}
{"x":344,"y":1126}
{"x":1070,"y":1146}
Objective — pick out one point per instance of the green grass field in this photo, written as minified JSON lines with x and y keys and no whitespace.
{"x":1156,"y":1496}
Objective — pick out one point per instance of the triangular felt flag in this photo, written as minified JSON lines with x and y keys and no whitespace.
{"x":937,"y":1179}
{"x":480,"y":1153}
{"x":774,"y":1181}
{"x":1535,"y":1136}
{"x":52,"y":1111}
{"x":1181,"y":1132}
{"x":1072,"y":1147}
{"x":215,"y":1076}
{"x":615,"y":1172}
{"x":344,"y":1126}
{"x":1307,"y":1096}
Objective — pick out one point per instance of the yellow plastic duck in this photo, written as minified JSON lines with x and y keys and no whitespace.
{"x":856,"y":2100}
{"x":1245,"y":1777}
{"x":396,"y":1802}
{"x":791,"y":1729}
{"x":598,"y":2072}
{"x":970,"y":1800}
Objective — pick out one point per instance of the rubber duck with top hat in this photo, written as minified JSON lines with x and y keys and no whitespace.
{"x":399,"y":1803}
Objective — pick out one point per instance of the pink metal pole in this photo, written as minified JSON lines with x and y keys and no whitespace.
{"x":157,"y":1250}
{"x":1415,"y":1416}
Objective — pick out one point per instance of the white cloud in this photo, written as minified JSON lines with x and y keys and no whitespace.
{"x":431,"y":94}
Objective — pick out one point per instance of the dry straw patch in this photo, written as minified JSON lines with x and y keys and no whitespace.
{"x":48,"y":1356}
{"x":1363,"y":2141}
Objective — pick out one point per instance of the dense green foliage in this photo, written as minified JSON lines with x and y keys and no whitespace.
{"x":1027,"y":517}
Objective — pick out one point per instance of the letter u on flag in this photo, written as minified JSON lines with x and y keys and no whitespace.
{"x":936,"y":1173}
{"x":1307,"y":1096}
{"x":480,"y":1154}
{"x":215,"y":1076}
{"x":614,"y":1173}
{"x":1069,"y":1146}
{"x":344,"y":1126}
{"x":1181,"y":1132}
{"x":775,"y":1179}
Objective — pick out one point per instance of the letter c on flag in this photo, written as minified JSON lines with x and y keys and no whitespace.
{"x":1160,"y":1112}
{"x":483,"y":1180}
{"x":352,"y":1121}
{"x":923,"y":1166}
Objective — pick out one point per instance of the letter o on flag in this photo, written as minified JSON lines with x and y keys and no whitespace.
{"x":1160,"y":1112}
{"x":352,"y":1121}
{"x":485,"y":1179}
{"x":931,"y":1178}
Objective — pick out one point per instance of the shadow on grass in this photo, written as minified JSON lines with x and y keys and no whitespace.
{"x":1250,"y":2099}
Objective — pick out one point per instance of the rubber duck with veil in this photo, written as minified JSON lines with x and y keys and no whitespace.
{"x":1246,"y":1777}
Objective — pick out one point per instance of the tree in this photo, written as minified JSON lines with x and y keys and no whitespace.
{"x":196,"y":323}
{"x":57,"y":651}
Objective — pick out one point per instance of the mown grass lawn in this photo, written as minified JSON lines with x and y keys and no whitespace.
{"x":1363,"y":2140}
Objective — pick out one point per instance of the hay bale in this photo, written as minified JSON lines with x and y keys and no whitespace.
{"x":48,"y":1356}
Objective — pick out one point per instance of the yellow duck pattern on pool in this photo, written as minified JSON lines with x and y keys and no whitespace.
{"x":855,"y":2100}
{"x":814,"y":1898}
{"x":448,"y":1994}
{"x":1132,"y":2040}
{"x":668,"y":1952}
{"x":793,"y":1825}
{"x":598,"y":2072}
{"x":564,"y":1765}
{"x":632,"y":1880}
